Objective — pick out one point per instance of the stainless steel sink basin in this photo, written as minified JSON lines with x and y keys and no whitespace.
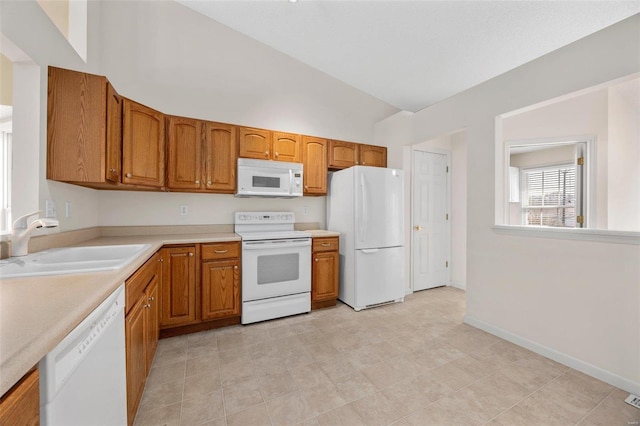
{"x":71,"y":260}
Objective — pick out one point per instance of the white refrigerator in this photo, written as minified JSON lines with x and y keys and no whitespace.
{"x":365,"y":204}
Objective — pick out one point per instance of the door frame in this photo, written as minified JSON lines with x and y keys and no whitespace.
{"x":447,"y":153}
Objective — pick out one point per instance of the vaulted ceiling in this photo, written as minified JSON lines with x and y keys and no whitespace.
{"x":412,"y":54}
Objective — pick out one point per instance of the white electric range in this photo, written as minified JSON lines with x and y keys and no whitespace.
{"x":276,"y":266}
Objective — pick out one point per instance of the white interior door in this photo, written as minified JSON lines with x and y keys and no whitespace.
{"x":430,"y":217}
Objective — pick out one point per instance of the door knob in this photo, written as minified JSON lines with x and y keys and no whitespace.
{"x":417,"y":227}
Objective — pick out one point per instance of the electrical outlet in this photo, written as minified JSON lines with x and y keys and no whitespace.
{"x":305,"y":210}
{"x":184,"y":210}
{"x":67,"y":209}
{"x":50,"y":209}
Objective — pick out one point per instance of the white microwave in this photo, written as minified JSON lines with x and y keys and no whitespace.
{"x":264,"y":178}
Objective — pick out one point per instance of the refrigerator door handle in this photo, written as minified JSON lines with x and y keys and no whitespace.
{"x":363,"y":218}
{"x":370,"y":251}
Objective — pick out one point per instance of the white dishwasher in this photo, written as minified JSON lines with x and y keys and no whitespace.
{"x":83,"y":380}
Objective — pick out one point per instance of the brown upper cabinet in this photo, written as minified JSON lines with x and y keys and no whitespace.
{"x":220,"y":154}
{"x":98,"y":139}
{"x":201,"y":156}
{"x":184,"y":153}
{"x":375,"y":156}
{"x":343,"y":154}
{"x":142,"y":145}
{"x":84,"y":129}
{"x":266,"y":145}
{"x":347,"y":154}
{"x":286,"y":147}
{"x":314,"y":159}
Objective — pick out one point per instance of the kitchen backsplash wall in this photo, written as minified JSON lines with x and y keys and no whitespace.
{"x":124,"y":208}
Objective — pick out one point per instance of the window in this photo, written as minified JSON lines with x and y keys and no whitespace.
{"x":549,"y":196}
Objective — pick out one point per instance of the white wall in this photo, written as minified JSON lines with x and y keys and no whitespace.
{"x":128,"y":208}
{"x":624,"y":156}
{"x":175,"y":60}
{"x":574,"y":300}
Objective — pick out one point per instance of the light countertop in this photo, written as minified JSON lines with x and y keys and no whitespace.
{"x":319,"y":233}
{"x":37,"y":312}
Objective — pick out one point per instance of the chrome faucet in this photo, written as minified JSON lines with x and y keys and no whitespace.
{"x":21,"y":232}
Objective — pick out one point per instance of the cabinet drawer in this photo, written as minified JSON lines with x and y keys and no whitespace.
{"x":325,"y":244}
{"x":136,"y":283}
{"x":220,"y":250}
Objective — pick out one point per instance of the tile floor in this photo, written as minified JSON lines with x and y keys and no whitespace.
{"x":413,"y":363}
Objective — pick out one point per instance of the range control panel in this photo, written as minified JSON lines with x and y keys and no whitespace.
{"x":265,"y":218}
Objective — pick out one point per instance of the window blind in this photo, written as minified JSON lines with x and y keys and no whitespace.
{"x":549,"y":197}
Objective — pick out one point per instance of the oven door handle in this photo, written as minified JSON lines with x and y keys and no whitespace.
{"x":273,"y":245}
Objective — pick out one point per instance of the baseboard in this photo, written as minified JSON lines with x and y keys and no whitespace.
{"x":584,"y":367}
{"x":408,"y":291}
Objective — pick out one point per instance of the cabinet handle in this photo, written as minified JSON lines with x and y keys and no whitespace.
{"x":316,"y":259}
{"x":326,"y":244}
{"x":112,"y":170}
{"x":221,"y":251}
{"x":147,"y":306}
{"x":197,"y":182}
{"x":306,"y":187}
{"x":364,"y":164}
{"x":128,"y":175}
{"x":235,"y":267}
{"x":266,"y":153}
{"x":190,"y":254}
{"x":161,"y":260}
{"x":151,"y":299}
{"x":208,"y":182}
{"x":277,"y":154}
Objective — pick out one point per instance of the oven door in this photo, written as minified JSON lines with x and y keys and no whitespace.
{"x":272,"y":268}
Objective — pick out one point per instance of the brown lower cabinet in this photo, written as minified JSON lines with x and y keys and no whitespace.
{"x":220,"y":280}
{"x":178,"y":287}
{"x":141,"y":329}
{"x":200,"y":287}
{"x":325,"y":267}
{"x":21,"y":404}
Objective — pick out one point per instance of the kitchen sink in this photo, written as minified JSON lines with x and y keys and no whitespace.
{"x":71,"y":260}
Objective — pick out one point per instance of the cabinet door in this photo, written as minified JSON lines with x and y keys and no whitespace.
{"x":152,"y":330}
{"x":142,"y":145}
{"x":76,"y":126}
{"x":221,"y":152}
{"x":286,"y":147}
{"x":220,"y":289}
{"x":114,"y":135}
{"x":136,"y":356}
{"x":178,"y":286}
{"x":21,"y":404}
{"x":255,"y":143}
{"x":371,"y":155}
{"x":184,"y":146}
{"x":342,"y":154}
{"x":325,"y":276}
{"x":314,"y":156}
